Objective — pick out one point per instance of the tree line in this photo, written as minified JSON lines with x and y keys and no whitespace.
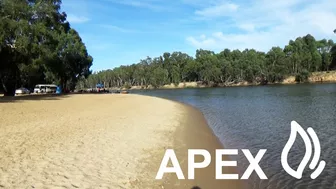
{"x":38,"y":45}
{"x":300,"y":57}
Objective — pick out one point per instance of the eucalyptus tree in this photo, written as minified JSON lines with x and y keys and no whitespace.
{"x":276,"y":64}
{"x":15,"y":41}
{"x":69,"y":61}
{"x":30,"y":31}
{"x":299,"y":58}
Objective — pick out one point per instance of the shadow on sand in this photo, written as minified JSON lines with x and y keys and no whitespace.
{"x":32,"y":97}
{"x":11,"y":99}
{"x":195,"y":187}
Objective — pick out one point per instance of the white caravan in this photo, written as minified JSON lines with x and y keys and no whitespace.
{"x":45,"y":88}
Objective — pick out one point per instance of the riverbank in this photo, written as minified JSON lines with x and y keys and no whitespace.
{"x":315,"y":77}
{"x":100,"y":141}
{"x":196,"y":134}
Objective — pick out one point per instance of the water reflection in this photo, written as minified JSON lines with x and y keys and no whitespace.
{"x":259,"y":118}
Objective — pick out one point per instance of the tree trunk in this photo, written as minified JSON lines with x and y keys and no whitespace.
{"x":9,"y":80}
{"x":9,"y":89}
{"x":63,"y":85}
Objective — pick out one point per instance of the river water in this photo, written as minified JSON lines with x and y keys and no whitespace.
{"x":259,"y":117}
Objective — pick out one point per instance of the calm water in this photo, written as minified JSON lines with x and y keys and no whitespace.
{"x":259,"y":118}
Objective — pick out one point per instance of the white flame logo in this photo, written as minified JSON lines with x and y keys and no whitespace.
{"x":296,"y":128}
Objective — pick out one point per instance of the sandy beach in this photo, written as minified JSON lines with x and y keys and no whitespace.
{"x":100,"y":141}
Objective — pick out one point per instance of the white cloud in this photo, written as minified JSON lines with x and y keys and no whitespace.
{"x":143,"y":4}
{"x":264,"y":24}
{"x":247,"y":27}
{"x":218,"y":10}
{"x":77,"y":19}
{"x":154,"y":5}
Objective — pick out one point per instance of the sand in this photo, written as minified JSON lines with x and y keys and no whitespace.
{"x":99,"y":141}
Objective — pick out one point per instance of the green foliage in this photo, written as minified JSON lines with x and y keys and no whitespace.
{"x":298,"y":58}
{"x":302,"y":76}
{"x":333,"y":57}
{"x":127,"y":86}
{"x":159,"y":77}
{"x":276,"y":65}
{"x":37,"y":45}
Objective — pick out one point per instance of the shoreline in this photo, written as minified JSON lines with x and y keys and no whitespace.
{"x":102,"y":140}
{"x":236,"y":85}
{"x":197,"y":134}
{"x":314,"y":78}
{"x":193,"y":132}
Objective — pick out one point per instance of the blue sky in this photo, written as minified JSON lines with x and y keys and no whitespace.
{"x":121,"y":32}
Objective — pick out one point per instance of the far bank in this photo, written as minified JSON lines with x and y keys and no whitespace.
{"x":315,"y":77}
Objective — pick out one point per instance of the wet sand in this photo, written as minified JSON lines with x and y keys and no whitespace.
{"x":100,"y":141}
{"x":194,"y":133}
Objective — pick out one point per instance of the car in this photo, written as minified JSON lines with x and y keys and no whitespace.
{"x":22,"y":90}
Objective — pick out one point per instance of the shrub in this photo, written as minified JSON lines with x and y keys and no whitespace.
{"x":302,"y":76}
{"x":127,"y":85}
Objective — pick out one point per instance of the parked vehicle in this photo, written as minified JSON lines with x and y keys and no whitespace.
{"x":22,"y":90}
{"x":124,"y":92}
{"x":45,"y":88}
